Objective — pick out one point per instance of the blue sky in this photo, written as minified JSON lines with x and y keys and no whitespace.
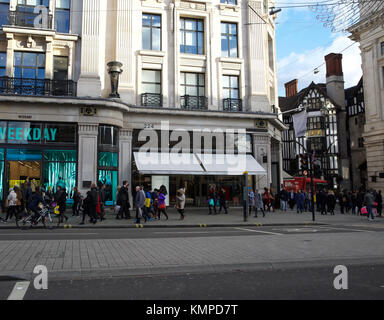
{"x":301,"y":44}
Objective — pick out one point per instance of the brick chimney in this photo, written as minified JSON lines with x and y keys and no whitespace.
{"x":335,"y":78}
{"x":334,"y":64}
{"x":291,"y":88}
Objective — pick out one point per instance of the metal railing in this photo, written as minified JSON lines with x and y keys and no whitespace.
{"x":37,"y":87}
{"x":194,"y":103}
{"x":27,"y":19}
{"x":151,"y":100}
{"x":233,"y":105}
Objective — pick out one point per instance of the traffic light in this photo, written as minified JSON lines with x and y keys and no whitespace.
{"x":304,"y":163}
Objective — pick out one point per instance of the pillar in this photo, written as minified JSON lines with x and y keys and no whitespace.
{"x":125,"y":158}
{"x":87,"y":171}
{"x":262,"y":149}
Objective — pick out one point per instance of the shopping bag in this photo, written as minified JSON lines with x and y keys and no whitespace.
{"x":364,"y":211}
{"x":116,"y":210}
{"x":211,"y":202}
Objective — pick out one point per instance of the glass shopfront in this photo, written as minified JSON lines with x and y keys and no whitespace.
{"x":196,"y":186}
{"x":44,"y":154}
{"x":108,"y":162}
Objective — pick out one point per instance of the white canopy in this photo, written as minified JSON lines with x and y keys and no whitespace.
{"x":230,"y":164}
{"x":197,"y":164}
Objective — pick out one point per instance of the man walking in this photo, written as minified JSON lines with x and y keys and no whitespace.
{"x":368,"y":201}
{"x":124,"y":202}
{"x":140,"y":203}
{"x":284,"y":199}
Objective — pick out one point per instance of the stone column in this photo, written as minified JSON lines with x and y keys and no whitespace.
{"x":262,"y":149}
{"x":88,"y":134}
{"x":89,"y":83}
{"x":49,"y":58}
{"x":125,"y":158}
{"x":10,"y":54}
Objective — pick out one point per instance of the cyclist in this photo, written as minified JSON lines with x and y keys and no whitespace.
{"x":34,"y":203}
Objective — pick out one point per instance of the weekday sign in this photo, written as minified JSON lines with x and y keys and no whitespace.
{"x":27,"y":134}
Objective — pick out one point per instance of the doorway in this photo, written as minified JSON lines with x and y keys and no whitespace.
{"x":19,"y":171}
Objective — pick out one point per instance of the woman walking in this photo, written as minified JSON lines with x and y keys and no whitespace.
{"x":259,"y":203}
{"x":12,"y":205}
{"x":76,"y":202}
{"x":162,"y":205}
{"x":212,"y":200}
{"x":331,"y":203}
{"x":180,"y":202}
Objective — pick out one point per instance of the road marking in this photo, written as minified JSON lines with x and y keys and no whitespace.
{"x":39,"y":234}
{"x":266,"y":232}
{"x":206,"y":232}
{"x":333,"y":228}
{"x":19,"y":291}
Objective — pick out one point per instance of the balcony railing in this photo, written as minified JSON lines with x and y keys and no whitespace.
{"x":151,"y":100}
{"x":234,"y":105}
{"x":37,"y":87}
{"x":194,"y":103}
{"x":27,"y":19}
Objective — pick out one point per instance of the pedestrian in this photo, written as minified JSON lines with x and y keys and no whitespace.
{"x":368,"y":201}
{"x":124,"y":202}
{"x":291,"y":200}
{"x":76,"y":202}
{"x":95,"y":203}
{"x":300,"y":199}
{"x":155,"y":203}
{"x":271,"y":200}
{"x":180,"y":202}
{"x":139,"y":203}
{"x":102,"y":197}
{"x":322,"y":201}
{"x":20,"y":206}
{"x":284,"y":199}
{"x":212,"y":199}
{"x":266,"y":200}
{"x":379,"y":201}
{"x":251,"y":200}
{"x":223,"y":200}
{"x":331,"y":202}
{"x":162,"y":204}
{"x":259,"y":204}
{"x":34,"y":204}
{"x":60,"y":198}
{"x":12,"y":205}
{"x":88,"y":207}
{"x":148,"y":208}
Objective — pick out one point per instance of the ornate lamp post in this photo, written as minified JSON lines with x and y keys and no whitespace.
{"x":114,"y":70}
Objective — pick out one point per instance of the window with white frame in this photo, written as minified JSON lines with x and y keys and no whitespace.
{"x":229,"y":40}
{"x":151,"y":33}
{"x":62,"y":15}
{"x":4,"y":12}
{"x":192,"y":36}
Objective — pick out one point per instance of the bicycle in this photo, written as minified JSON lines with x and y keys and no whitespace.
{"x":44,"y":215}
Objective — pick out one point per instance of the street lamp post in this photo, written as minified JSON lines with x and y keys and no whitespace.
{"x":245,"y":196}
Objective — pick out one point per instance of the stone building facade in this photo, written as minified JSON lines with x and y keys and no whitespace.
{"x":186,"y":66}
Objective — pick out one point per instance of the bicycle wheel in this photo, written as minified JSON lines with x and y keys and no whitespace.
{"x":47,"y":221}
{"x":24,"y":222}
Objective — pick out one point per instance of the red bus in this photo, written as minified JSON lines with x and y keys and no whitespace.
{"x":304,"y":184}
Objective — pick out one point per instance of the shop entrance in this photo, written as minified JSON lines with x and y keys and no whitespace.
{"x":19,"y":171}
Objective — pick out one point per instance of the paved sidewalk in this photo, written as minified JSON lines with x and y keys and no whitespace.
{"x":74,"y":259}
{"x":198,"y":217}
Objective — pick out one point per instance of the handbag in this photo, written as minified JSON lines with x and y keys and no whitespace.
{"x":162,"y":206}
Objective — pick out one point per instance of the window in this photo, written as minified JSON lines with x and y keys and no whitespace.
{"x":231,"y":87}
{"x":4,"y":12}
{"x":3,"y":64}
{"x":192,"y":36}
{"x":192,"y":84}
{"x":151,"y":81}
{"x":193,"y":90}
{"x":382,"y":48}
{"x":62,"y":15}
{"x":271,"y":53}
{"x":228,"y":1}
{"x":29,"y":71}
{"x":151,"y":88}
{"x":151,"y":32}
{"x":25,"y":8}
{"x":108,"y":136}
{"x":60,"y":168}
{"x":229,"y":40}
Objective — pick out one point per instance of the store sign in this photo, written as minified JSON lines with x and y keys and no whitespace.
{"x":27,"y":134}
{"x":316,"y":133}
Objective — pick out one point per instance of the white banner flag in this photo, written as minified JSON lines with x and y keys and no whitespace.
{"x":300,"y":123}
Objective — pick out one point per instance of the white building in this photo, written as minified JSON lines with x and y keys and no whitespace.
{"x":370,"y":33}
{"x":189,"y":65}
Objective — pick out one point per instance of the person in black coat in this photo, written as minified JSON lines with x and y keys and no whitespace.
{"x":331,"y":203}
{"x":124,"y":202}
{"x":322,"y":200}
{"x":76,"y":202}
{"x":61,"y":199}
{"x":95,"y":197}
{"x":88,"y":207}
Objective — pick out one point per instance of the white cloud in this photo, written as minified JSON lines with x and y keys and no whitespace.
{"x":301,"y":65}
